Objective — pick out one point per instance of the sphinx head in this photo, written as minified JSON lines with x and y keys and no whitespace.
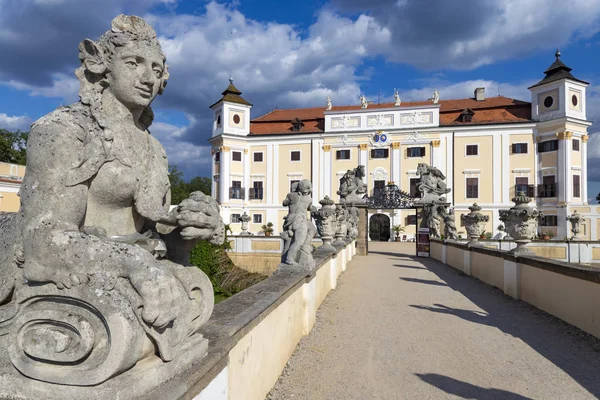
{"x":127,"y":60}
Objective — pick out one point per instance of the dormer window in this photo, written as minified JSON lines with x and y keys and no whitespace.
{"x":297,"y":125}
{"x":467,"y":115}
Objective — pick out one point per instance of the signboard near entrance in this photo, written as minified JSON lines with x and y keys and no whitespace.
{"x":423,"y":245}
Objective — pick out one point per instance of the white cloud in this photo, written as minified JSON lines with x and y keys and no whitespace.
{"x":63,"y":86}
{"x":13,"y":123}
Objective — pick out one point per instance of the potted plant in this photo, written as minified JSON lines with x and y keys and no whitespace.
{"x":548,"y":235}
{"x":267,"y":229}
{"x":482,"y":236}
{"x":397,"y":229}
{"x":460,"y":234}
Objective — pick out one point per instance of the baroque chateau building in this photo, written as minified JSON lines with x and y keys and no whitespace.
{"x":489,"y":149}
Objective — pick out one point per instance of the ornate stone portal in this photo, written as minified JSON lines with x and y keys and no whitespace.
{"x":86,"y":291}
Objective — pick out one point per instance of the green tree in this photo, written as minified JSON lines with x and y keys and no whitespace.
{"x":13,"y":147}
{"x":598,"y":198}
{"x":202,"y":184}
{"x":179,"y":188}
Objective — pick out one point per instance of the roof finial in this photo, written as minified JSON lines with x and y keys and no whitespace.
{"x":230,"y":79}
{"x":557,"y":54}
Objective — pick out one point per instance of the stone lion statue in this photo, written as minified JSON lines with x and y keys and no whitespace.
{"x":92,"y":267}
{"x":352,"y":188}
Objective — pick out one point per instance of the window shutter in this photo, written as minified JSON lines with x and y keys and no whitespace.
{"x":513,"y":148}
{"x":387,"y":153}
{"x":251,"y":193}
{"x":422,"y":151}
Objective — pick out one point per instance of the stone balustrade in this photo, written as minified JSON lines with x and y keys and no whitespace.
{"x":568,"y":291}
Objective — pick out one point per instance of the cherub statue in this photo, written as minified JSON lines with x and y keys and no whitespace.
{"x":298,"y":230}
{"x":352,"y":187}
{"x":449,"y":224}
{"x":436,"y":96}
{"x":95,"y":222}
{"x":329,"y":105}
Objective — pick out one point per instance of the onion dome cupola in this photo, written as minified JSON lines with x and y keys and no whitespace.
{"x":231,"y":113}
{"x":559,"y":94}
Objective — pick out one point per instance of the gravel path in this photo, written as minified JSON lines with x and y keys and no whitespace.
{"x":398,"y":327}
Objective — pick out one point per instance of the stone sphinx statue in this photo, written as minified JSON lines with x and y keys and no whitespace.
{"x":352,"y":188}
{"x":92,"y":274}
{"x":298,"y":230}
{"x":431,"y":185}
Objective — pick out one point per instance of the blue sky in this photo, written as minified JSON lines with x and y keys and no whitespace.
{"x":295,"y":54}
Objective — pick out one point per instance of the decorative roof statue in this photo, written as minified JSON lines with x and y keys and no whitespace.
{"x":436,"y":97}
{"x":363,"y":101}
{"x":328,"y":108}
{"x":397,"y":100}
{"x":298,"y":231}
{"x":85,"y":292}
{"x":352,"y":188}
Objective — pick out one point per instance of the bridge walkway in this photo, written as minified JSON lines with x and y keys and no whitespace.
{"x":400,"y":327}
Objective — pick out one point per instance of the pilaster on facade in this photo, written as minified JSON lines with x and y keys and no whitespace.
{"x":564,"y":187}
{"x":275,"y":189}
{"x":437,"y":155}
{"x":502,"y":191}
{"x":584,"y":186}
{"x":270,"y":168}
{"x":327,"y":172}
{"x":397,"y":164}
{"x":363,"y":158}
{"x":246,"y":176}
{"x":316,"y":151}
{"x":224,"y":169}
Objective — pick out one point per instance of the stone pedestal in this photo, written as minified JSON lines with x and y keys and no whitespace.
{"x":362,"y":241}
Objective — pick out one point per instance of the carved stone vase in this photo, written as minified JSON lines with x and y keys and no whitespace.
{"x":342,"y":226}
{"x":521,"y":222}
{"x":245,"y":218}
{"x":326,"y":222}
{"x":575,"y":219}
{"x":474,"y":222}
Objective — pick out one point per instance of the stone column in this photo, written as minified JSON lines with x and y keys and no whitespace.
{"x":224,"y":177}
{"x":396,"y":164}
{"x":584,"y":187}
{"x":362,"y":241}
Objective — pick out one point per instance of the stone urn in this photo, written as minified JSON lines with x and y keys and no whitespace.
{"x":245,"y":218}
{"x":521,"y":222}
{"x":575,"y":219}
{"x":342,"y":226}
{"x":325,"y":219}
{"x":474,"y":222}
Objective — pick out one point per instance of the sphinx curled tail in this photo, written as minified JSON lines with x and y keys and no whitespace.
{"x":11,"y":256}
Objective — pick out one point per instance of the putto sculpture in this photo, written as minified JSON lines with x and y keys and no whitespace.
{"x":341,"y":232}
{"x":521,"y":222}
{"x":449,"y":225}
{"x":298,"y":230}
{"x":431,"y":184}
{"x":85,"y":289}
{"x":352,"y":188}
{"x":353,"y":218}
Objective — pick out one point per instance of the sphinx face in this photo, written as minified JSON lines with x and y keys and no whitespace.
{"x":136,"y":74}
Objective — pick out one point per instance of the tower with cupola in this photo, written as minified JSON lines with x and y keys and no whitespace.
{"x":558,"y":103}
{"x":231,"y":114}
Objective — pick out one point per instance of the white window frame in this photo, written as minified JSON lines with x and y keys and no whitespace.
{"x":472,"y":155}
{"x":261,"y":218}
{"x":473,"y":176}
{"x":241,"y":155}
{"x":342,"y":159}
{"x":263,"y":156}
{"x":290,"y":156}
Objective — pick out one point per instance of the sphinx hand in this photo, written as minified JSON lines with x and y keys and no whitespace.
{"x":200,"y":219}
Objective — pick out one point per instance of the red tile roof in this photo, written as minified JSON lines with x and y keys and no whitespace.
{"x":492,"y":110}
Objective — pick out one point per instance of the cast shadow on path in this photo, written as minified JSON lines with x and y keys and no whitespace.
{"x":467,"y":390}
{"x":408,"y":266}
{"x":570,"y":349}
{"x":425,"y":281}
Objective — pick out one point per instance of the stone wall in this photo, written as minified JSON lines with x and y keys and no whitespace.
{"x":245,"y":329}
{"x":568,"y":291}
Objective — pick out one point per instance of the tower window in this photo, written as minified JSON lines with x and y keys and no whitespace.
{"x":549,"y":145}
{"x":472,"y":150}
{"x":548,"y":101}
{"x":236,"y":155}
{"x":219,"y":121}
{"x":575,"y":144}
{"x":258,"y":156}
{"x":217,"y":156}
{"x":295,"y":155}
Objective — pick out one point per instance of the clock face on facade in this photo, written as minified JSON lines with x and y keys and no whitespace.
{"x":574,"y":100}
{"x":236,"y":118}
{"x":548,"y":101}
